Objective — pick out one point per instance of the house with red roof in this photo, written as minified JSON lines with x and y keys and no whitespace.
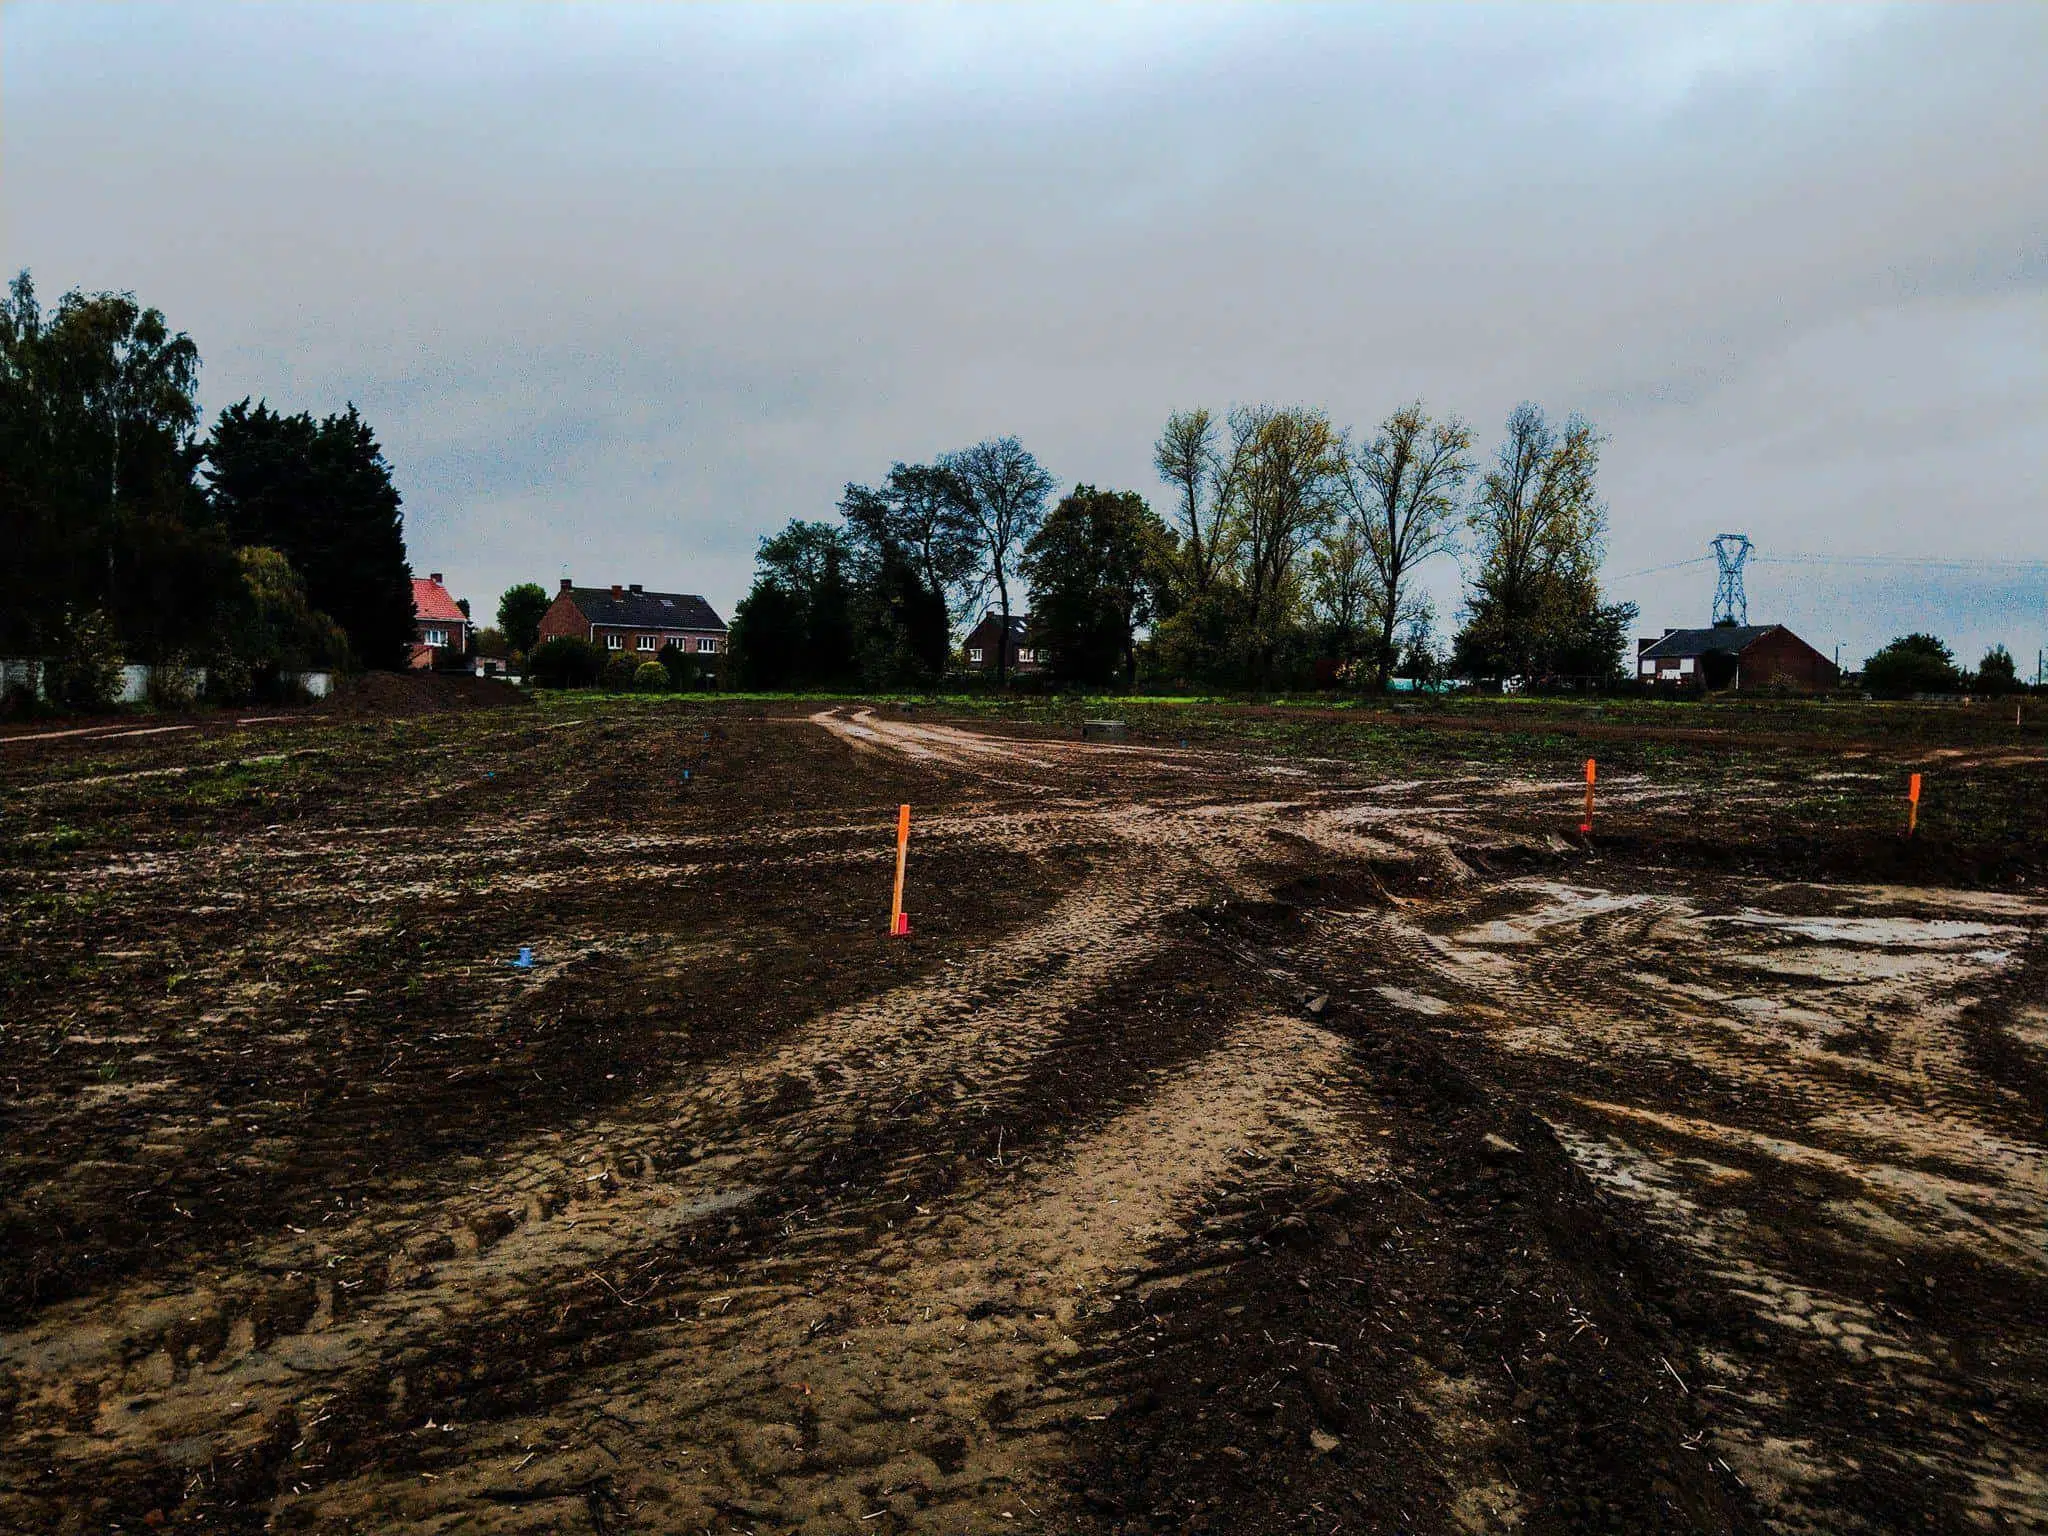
{"x":440,"y":628}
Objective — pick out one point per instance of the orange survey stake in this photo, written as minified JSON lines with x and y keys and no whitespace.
{"x":1586,"y":826}
{"x":1912,"y":804}
{"x":899,"y":920}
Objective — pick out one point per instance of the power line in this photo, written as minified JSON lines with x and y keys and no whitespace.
{"x":1910,"y":562}
{"x":1914,"y":562}
{"x":1651,"y":570}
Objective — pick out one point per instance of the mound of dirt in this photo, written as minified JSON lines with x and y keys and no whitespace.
{"x":422,"y":693}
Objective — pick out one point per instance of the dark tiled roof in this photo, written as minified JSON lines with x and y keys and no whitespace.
{"x":1732,"y":638}
{"x":646,"y":610}
{"x":1020,"y":623}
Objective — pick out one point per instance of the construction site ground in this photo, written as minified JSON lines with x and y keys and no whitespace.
{"x":1283,"y":1119}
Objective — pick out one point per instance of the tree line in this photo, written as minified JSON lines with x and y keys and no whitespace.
{"x":1290,"y":552}
{"x":272,"y":544}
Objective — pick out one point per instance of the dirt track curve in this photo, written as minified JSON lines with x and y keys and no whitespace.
{"x":1237,"y":1144}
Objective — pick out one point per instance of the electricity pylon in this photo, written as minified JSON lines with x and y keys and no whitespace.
{"x":1731,"y":605}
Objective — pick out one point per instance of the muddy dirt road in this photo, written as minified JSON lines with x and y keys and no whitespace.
{"x":1240,"y":1143}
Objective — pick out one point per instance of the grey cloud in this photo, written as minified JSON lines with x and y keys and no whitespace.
{"x":626,"y":288}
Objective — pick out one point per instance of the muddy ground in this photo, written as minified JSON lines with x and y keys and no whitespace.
{"x":1272,"y":1123}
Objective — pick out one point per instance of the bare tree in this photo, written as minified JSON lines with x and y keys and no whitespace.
{"x":1539,"y":530}
{"x":920,"y":510}
{"x":1203,"y":481}
{"x":1286,"y":472}
{"x":1002,"y":490}
{"x":1402,"y":489}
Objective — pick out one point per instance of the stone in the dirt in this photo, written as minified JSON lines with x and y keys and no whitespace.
{"x":1498,"y":1149}
{"x":1323,"y":1396}
{"x":1323,"y":1441}
{"x":1317,"y":1004}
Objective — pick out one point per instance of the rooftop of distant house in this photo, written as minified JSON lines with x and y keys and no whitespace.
{"x":634,"y":607}
{"x":1731,"y":638}
{"x":430,"y":600}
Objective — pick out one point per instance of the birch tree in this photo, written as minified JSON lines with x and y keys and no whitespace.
{"x":1402,"y":490}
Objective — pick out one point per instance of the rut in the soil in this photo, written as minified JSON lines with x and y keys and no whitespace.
{"x":1078,"y":1224}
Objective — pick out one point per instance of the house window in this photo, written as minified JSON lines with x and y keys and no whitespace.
{"x":708,"y":647}
{"x":436,"y":637}
{"x":1025,"y":655}
{"x":1685,"y":664}
{"x":974,"y":655}
{"x":614,"y":642}
{"x":1649,"y":668}
{"x":647,"y":643}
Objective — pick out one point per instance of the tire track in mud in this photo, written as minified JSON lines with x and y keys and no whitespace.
{"x":878,"y":1270}
{"x":196,"y":1364}
{"x":1819,"y":1157}
{"x":918,"y":1379}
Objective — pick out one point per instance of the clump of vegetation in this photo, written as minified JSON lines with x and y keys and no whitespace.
{"x":520,"y":610}
{"x":1911,"y":664}
{"x":564,"y":662}
{"x":172,"y":684}
{"x":118,"y":509}
{"x":619,"y":674}
{"x":650,"y":677}
{"x":1996,"y":673}
{"x":85,"y":672}
{"x":684,"y":670}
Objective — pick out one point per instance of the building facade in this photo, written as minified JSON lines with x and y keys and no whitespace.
{"x":1734,"y":656}
{"x":633,"y":621}
{"x":980,"y":648}
{"x":440,"y":629}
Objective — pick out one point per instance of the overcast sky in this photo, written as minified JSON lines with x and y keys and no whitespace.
{"x":622,"y":290}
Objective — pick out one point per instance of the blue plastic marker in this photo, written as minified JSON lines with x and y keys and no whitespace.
{"x":525,"y":960}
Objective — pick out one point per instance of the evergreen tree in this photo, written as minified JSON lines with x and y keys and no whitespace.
{"x":321,"y":493}
{"x":795,"y":627}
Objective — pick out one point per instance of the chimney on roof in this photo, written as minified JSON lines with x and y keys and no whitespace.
{"x":567,"y":584}
{"x":617,"y":592}
{"x":434,"y":577}
{"x":634,"y":588}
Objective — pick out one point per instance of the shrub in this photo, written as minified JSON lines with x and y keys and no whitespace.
{"x":229,"y":679}
{"x":684,"y":670}
{"x":18,"y":701}
{"x":618,"y":673}
{"x":564,"y":662}
{"x":85,"y":673}
{"x":170,"y":684}
{"x":650,"y":677}
{"x":1996,"y":673}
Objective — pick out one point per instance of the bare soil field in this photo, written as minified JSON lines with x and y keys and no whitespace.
{"x":1279,"y":1121}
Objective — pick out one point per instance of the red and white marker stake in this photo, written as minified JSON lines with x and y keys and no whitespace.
{"x":1586,"y":826}
{"x":899,"y":920}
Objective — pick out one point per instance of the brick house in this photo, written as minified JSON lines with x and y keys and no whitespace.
{"x":440,"y":629}
{"x":1734,"y":656}
{"x":1026,"y":655}
{"x":635,"y":622}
